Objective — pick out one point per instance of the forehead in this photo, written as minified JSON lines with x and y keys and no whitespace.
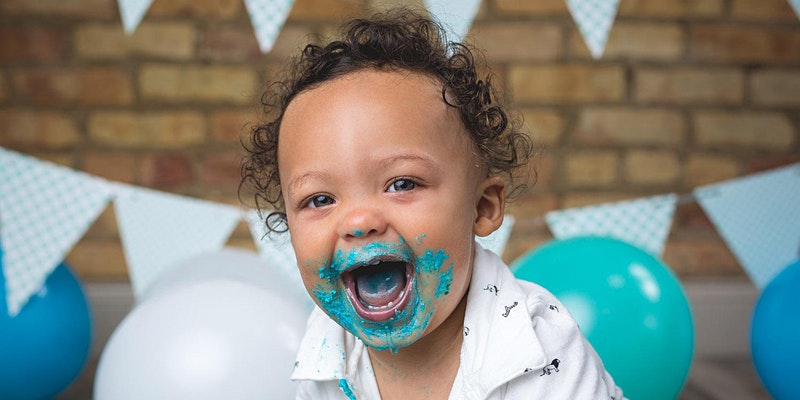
{"x":392,"y":92}
{"x":401,"y":107}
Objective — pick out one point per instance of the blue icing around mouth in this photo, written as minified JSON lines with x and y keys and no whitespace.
{"x":432,"y":281}
{"x":444,"y":284}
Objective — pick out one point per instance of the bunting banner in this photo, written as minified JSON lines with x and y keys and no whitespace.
{"x":497,"y":240}
{"x":131,"y":12}
{"x":158,"y":230}
{"x":644,"y":223}
{"x":796,"y":6}
{"x":455,"y":15}
{"x":594,"y":19}
{"x":758,"y":216}
{"x":44,"y":210}
{"x":267,"y":18}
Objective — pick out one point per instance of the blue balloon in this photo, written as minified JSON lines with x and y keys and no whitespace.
{"x":44,"y":347}
{"x":775,"y":334}
{"x":628,"y":304}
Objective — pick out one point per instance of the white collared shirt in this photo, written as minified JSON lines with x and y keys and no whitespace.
{"x":519,"y":343}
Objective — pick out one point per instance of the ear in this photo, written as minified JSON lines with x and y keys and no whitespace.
{"x":490,"y":207}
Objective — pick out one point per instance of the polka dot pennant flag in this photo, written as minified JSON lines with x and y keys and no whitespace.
{"x":455,"y":15}
{"x":644,"y":223}
{"x":758,"y":216}
{"x":796,"y":5}
{"x":594,"y":19}
{"x":44,"y":210}
{"x":131,"y":12}
{"x":277,"y":249}
{"x":158,"y":230}
{"x":497,"y":240}
{"x":267,"y":17}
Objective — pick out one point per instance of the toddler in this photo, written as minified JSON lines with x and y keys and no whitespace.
{"x":385,"y":156}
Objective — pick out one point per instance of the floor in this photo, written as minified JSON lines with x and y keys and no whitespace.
{"x":709,"y":379}
{"x":723,"y":378}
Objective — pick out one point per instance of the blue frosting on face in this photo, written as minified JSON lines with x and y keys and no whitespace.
{"x":432,"y":281}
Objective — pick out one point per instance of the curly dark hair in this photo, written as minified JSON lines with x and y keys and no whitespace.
{"x":398,"y":39}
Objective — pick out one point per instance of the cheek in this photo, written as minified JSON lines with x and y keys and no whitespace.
{"x":449,"y":217}
{"x":310,"y":279}
{"x":311,"y":251}
{"x":309,"y":266}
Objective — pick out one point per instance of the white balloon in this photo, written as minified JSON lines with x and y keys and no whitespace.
{"x":212,"y":339}
{"x":230,"y":263}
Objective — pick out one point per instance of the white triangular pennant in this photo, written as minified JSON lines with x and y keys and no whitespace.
{"x":455,"y":15}
{"x":276,"y":248}
{"x":759,"y":218}
{"x":267,"y":18}
{"x":594,"y":19}
{"x":131,"y":12}
{"x":644,"y":223}
{"x":497,"y":241}
{"x":44,"y":210}
{"x":796,"y":5}
{"x":160,"y":229}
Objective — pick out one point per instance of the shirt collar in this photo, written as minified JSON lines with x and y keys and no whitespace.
{"x":497,"y":327}
{"x":322,"y":350}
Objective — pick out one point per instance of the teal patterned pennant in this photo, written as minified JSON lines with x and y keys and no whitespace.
{"x":594,"y":19}
{"x":759,"y":217}
{"x":44,"y":210}
{"x":268,"y":17}
{"x":159,"y":230}
{"x":644,"y":223}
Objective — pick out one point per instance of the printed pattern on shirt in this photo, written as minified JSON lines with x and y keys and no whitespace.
{"x":508,"y":309}
{"x":550,"y":368}
{"x":491,"y":289}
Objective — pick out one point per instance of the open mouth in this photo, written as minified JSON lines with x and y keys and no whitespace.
{"x":379,"y":289}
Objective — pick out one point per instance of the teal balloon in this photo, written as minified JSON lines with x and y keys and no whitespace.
{"x":45,"y":346}
{"x":775,"y":334}
{"x":628,"y":304}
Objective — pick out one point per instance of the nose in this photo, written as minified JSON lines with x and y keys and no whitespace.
{"x":362,"y":221}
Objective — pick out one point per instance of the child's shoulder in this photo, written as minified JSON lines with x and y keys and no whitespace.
{"x":535,"y":293}
{"x":544,"y":305}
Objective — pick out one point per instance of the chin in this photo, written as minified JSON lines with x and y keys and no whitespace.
{"x":383,"y":293}
{"x":403,"y":329}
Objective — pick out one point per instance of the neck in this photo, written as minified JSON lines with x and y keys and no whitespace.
{"x":426,"y":368}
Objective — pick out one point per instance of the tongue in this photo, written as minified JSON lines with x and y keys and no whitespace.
{"x":380,"y":284}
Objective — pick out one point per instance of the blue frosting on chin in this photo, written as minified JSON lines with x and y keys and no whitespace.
{"x":432,"y":280}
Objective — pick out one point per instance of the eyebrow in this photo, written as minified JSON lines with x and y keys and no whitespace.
{"x":405,"y":157}
{"x":310,"y":175}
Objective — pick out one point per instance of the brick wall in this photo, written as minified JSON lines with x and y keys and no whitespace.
{"x":688,"y":92}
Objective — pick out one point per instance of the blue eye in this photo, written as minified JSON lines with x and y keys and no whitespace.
{"x":402,"y":185}
{"x":319,"y":200}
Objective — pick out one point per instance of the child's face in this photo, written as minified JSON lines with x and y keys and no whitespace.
{"x":382,"y":191}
